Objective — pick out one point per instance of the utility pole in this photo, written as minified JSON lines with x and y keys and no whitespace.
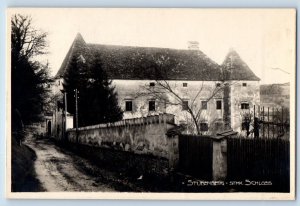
{"x":65,"y":123}
{"x":76,"y":113}
{"x":66,"y":103}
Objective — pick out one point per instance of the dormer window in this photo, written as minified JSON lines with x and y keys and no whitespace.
{"x":152,"y":84}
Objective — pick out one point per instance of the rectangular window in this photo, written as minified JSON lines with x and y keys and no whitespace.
{"x":152,"y":84}
{"x":219,"y":104}
{"x":185,"y":105}
{"x":204,"y":105}
{"x":151,"y":105}
{"x":184,"y":84}
{"x":128,"y":106}
{"x":244,"y":84}
{"x":218,"y":84}
{"x":244,"y":106}
{"x":203,"y":127}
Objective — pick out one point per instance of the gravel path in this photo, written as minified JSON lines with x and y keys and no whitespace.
{"x":57,"y":170}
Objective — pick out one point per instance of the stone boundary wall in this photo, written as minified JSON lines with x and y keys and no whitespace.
{"x":144,"y":135}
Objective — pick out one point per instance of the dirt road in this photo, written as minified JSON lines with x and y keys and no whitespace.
{"x":58,"y":170}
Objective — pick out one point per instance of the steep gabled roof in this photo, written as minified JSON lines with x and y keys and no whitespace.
{"x":141,"y":63}
{"x":77,"y":46}
{"x":234,"y":68}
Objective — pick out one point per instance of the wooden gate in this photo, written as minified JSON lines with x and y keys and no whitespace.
{"x":195,"y":156}
{"x":265,"y":122}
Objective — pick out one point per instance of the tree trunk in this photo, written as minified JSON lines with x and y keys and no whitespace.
{"x":227,"y":109}
{"x":195,"y":121}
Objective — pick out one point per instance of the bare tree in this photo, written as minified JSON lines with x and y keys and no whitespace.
{"x":26,"y":40}
{"x":168,"y":94}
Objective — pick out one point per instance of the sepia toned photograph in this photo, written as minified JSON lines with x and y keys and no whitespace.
{"x":151,"y":103}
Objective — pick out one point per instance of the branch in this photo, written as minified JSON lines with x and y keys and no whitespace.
{"x":197,"y":95}
{"x":26,"y":41}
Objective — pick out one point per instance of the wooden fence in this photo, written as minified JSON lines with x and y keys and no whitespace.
{"x":237,"y":159}
{"x":195,"y":156}
{"x":259,"y":159}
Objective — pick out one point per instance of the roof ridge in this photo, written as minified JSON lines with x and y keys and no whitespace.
{"x":145,"y":47}
{"x":150,"y":47}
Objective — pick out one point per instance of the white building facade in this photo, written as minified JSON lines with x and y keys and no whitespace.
{"x":191,"y":75}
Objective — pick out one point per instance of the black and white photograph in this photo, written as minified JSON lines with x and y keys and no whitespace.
{"x":160,"y":103}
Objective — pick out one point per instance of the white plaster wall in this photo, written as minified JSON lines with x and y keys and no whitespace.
{"x":239,"y":94}
{"x":69,"y":122}
{"x":130,"y":90}
{"x":133,"y":90}
{"x":139,"y":135}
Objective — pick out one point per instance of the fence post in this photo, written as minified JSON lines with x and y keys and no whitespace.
{"x":219,"y":158}
{"x":219,"y":155}
{"x":173,"y":151}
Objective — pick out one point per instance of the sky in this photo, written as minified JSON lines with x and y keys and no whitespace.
{"x":265,"y":39}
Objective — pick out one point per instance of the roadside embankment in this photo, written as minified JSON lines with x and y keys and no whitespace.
{"x":23,"y":177}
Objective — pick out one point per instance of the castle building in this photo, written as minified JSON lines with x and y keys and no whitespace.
{"x":219,"y":94}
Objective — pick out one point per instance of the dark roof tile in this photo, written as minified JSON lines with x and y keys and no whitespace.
{"x":141,"y":63}
{"x":234,"y":68}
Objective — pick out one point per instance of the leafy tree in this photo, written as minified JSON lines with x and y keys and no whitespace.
{"x":76,"y":78}
{"x":29,"y":78}
{"x":103,"y":98}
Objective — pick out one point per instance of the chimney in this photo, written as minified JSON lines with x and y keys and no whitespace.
{"x":193,"y":45}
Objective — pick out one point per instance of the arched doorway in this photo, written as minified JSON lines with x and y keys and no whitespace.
{"x":49,"y":128}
